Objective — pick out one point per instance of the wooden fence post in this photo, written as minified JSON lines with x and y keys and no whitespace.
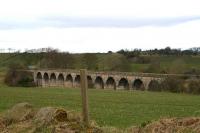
{"x":84,"y":86}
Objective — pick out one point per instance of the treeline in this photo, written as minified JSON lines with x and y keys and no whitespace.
{"x":162,"y":52}
{"x":132,"y":53}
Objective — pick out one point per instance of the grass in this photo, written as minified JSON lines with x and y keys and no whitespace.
{"x":139,"y":67}
{"x":111,"y":108}
{"x":166,"y":62}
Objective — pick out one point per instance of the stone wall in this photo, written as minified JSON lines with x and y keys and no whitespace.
{"x":100,"y":80}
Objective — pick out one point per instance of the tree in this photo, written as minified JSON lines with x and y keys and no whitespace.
{"x":15,"y":76}
{"x":53,"y":59}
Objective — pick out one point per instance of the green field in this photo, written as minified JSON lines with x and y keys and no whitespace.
{"x":112,"y":108}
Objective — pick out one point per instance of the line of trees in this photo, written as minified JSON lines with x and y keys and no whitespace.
{"x":166,"y":51}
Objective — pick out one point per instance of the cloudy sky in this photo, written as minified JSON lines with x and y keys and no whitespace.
{"x":99,"y":25}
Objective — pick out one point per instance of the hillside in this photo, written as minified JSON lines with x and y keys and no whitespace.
{"x":104,"y":62}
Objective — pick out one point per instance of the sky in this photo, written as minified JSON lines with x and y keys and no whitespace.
{"x":99,"y":25}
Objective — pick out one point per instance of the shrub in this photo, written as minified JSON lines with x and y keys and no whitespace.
{"x":17,"y":77}
{"x":154,"y":86}
{"x":194,"y":87}
{"x":172,"y":84}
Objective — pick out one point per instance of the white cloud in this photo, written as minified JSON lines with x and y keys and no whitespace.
{"x":104,"y":39}
{"x":123,"y":8}
{"x":99,"y":39}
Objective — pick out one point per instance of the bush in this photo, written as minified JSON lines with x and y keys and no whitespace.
{"x":172,"y":84}
{"x":194,"y":87}
{"x":179,"y":85}
{"x":17,"y":77}
{"x":155,"y":86}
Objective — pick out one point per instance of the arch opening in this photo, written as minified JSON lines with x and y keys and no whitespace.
{"x":39,"y":79}
{"x":99,"y":83}
{"x":90,"y":83}
{"x":60,"y":80}
{"x":110,"y":83}
{"x":138,"y":85}
{"x":53,"y":79}
{"x":154,"y":86}
{"x":123,"y":84}
{"x":46,"y":79}
{"x":77,"y":81}
{"x":69,"y":80}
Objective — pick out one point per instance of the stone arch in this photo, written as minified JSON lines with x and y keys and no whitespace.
{"x":61,"y":79}
{"x":99,"y":82}
{"x":53,"y":79}
{"x":123,"y":84}
{"x":138,"y":85}
{"x":90,"y":83}
{"x":77,"y":81}
{"x":39,"y":79}
{"x":110,"y":83}
{"x":69,"y":80}
{"x":154,"y":85}
{"x":46,"y":78}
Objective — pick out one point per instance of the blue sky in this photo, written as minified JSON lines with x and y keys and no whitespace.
{"x":99,"y":26}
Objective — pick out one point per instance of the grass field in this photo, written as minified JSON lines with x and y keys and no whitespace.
{"x":111,"y":108}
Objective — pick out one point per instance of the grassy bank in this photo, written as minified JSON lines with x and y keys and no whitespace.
{"x":113,"y":108}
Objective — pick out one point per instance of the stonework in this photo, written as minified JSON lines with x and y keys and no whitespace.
{"x":100,"y":80}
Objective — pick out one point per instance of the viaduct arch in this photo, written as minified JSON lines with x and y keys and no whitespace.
{"x":98,"y":80}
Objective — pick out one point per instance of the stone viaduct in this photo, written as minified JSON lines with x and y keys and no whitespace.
{"x":101,"y":80}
